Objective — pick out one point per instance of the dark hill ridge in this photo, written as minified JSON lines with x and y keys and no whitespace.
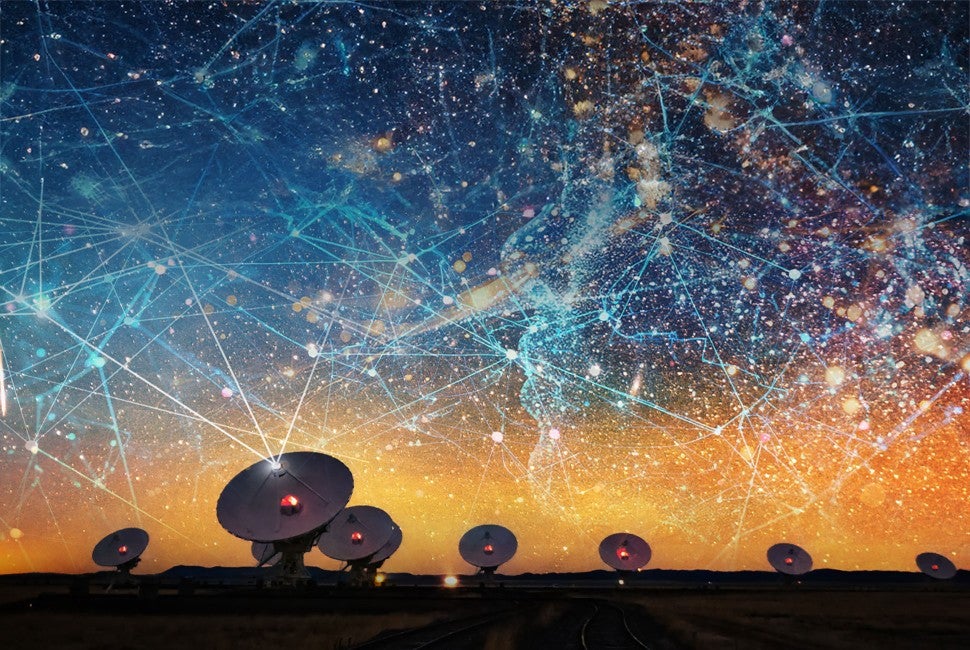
{"x":647,"y":578}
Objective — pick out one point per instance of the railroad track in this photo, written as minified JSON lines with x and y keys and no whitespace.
{"x":584,"y":624}
{"x":607,"y":628}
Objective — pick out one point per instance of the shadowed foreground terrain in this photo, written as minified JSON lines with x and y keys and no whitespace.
{"x":54,"y":615}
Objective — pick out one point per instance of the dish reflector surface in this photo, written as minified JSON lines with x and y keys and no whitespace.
{"x":265,"y":553}
{"x":390,"y":547}
{"x":120,"y":547}
{"x":936,"y":565}
{"x":356,"y":533}
{"x":625,"y":551}
{"x":269,"y":502}
{"x":487,"y":546}
{"x":789,"y":559}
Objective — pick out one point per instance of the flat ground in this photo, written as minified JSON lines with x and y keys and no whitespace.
{"x":332,"y":619}
{"x":783,"y":618}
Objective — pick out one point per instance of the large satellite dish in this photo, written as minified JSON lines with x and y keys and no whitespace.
{"x":625,"y":551}
{"x":936,"y":566}
{"x":487,"y":547}
{"x":292,"y":497}
{"x":286,"y":504}
{"x":356,"y":534}
{"x":122,"y":548}
{"x":789,"y":559}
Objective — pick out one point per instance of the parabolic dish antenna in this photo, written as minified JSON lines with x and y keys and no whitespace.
{"x":356,"y":533}
{"x":390,"y":547}
{"x":625,"y":551}
{"x":487,"y":546}
{"x":265,"y":553}
{"x":789,"y":559}
{"x":287,"y":499}
{"x":122,"y":548}
{"x":936,"y":566}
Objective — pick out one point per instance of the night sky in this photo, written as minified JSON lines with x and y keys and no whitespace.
{"x":693,"y":271}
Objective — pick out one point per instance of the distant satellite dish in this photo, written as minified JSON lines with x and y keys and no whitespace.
{"x":625,"y":551}
{"x":488,"y":547}
{"x":789,"y":559}
{"x":356,"y":534}
{"x":389,"y":548}
{"x":265,"y":553}
{"x":936,"y":566}
{"x":288,"y":499}
{"x":121,"y":549}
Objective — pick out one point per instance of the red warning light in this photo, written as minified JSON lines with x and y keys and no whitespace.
{"x":489,"y":549}
{"x":356,"y":537}
{"x":935,"y":567}
{"x":789,"y":561}
{"x":622,"y":553}
{"x":124,"y":549}
{"x":290,"y":505}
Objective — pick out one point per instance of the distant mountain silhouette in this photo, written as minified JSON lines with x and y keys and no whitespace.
{"x":599,"y":577}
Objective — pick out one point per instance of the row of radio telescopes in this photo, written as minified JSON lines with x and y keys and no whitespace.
{"x":287,"y":506}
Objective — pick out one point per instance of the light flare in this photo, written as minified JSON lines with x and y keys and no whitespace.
{"x":3,"y":385}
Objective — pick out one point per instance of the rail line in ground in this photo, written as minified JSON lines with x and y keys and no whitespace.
{"x":607,"y":627}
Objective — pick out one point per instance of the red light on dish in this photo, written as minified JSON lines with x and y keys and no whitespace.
{"x":356,"y":537}
{"x":124,"y":549}
{"x":935,"y":567}
{"x":622,"y":553}
{"x":789,"y":561}
{"x":489,"y":549}
{"x":290,"y":505}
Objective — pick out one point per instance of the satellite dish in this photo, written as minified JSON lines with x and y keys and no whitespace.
{"x":389,"y":548}
{"x":789,"y":559}
{"x":936,"y":566}
{"x":625,"y":551}
{"x":121,"y":549}
{"x":290,"y":498}
{"x":286,"y":503}
{"x":266,"y":554}
{"x":487,"y":547}
{"x":356,"y":534}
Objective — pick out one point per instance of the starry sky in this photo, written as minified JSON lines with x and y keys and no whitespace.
{"x":696,"y":271}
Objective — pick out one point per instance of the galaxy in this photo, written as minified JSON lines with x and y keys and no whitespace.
{"x":696,"y":271}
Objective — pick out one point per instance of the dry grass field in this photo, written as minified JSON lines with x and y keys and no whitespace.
{"x":717,"y":619}
{"x":763,"y":619}
{"x":320,"y":631}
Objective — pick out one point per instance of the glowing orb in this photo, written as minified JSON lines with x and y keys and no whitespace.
{"x":834,"y":376}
